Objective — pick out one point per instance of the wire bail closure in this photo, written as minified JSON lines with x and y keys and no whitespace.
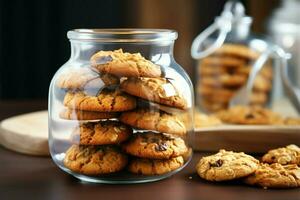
{"x":233,"y":11}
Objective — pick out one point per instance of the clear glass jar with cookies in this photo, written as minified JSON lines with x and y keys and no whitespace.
{"x":121,"y":108}
{"x":226,"y":53}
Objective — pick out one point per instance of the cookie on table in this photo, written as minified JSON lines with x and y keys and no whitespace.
{"x":237,"y":50}
{"x":101,"y":133}
{"x":123,"y":64}
{"x":226,"y":165}
{"x":275,"y":176}
{"x":106,"y":101}
{"x":155,"y":145}
{"x":86,"y":115}
{"x":153,"y":120}
{"x":146,"y":166}
{"x":83,"y":78}
{"x":159,"y":90}
{"x":94,"y":160}
{"x":285,"y":155}
{"x":249,"y":115}
{"x":226,"y":62}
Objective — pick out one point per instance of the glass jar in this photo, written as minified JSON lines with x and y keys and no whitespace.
{"x":226,"y":53}
{"x":121,"y":108}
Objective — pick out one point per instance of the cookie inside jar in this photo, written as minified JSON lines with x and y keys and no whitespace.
{"x":224,"y":72}
{"x":121,"y":117}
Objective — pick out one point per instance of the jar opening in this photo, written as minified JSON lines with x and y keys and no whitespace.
{"x":123,"y":35}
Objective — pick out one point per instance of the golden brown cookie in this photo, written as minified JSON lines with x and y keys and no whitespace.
{"x":237,"y":50}
{"x":159,"y":90}
{"x":154,"y":167}
{"x":207,"y":70}
{"x":258,"y":98}
{"x":226,"y":165}
{"x":292,"y":121}
{"x":83,"y":78}
{"x":86,"y":115}
{"x":101,"y":133}
{"x":94,"y":160}
{"x":155,"y":145}
{"x":266,"y":71}
{"x":200,"y":119}
{"x":123,"y":64}
{"x":227,"y":62}
{"x":285,"y":155}
{"x":153,"y":120}
{"x":225,"y":80}
{"x":249,"y":115}
{"x":275,"y":176}
{"x":262,"y":84}
{"x":209,"y":106}
{"x":106,"y":101}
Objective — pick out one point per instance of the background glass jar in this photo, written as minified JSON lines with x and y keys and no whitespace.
{"x":226,"y":53}
{"x":121,"y":108}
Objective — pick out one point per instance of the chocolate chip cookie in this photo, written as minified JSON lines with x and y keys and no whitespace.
{"x":84,"y":78}
{"x":249,"y":115}
{"x":155,"y":145}
{"x":275,"y":176}
{"x":154,"y":167}
{"x":285,"y":155}
{"x":124,"y":64}
{"x":159,"y":90}
{"x":226,"y":165}
{"x":153,"y":120}
{"x":86,"y":115}
{"x":237,"y":50}
{"x":101,"y":133}
{"x":106,"y":101}
{"x":94,"y":160}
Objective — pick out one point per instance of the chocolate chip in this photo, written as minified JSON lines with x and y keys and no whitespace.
{"x":273,"y":157}
{"x":218,"y":163}
{"x":104,"y":59}
{"x":161,"y":147}
{"x":249,"y":116}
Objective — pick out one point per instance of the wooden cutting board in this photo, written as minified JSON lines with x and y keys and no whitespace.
{"x":27,"y":133}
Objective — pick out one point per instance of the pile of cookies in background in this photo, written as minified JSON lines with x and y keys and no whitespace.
{"x":222,"y":73}
{"x":121,"y":129}
{"x":244,"y":115}
{"x":279,"y":168}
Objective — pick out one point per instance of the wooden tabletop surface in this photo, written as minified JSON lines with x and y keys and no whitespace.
{"x":29,"y":177}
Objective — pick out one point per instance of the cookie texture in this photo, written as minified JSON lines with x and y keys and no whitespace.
{"x":101,"y":133}
{"x":226,"y":165}
{"x":154,"y":120}
{"x":285,"y":155}
{"x":292,"y":121}
{"x":94,"y":160}
{"x":106,"y":101}
{"x":86,"y":115}
{"x":155,"y":145}
{"x":238,"y":50}
{"x":249,"y":115}
{"x":275,"y":176}
{"x":225,"y":61}
{"x":154,"y":167}
{"x":124,"y":64}
{"x":159,"y":90}
{"x":84,"y":78}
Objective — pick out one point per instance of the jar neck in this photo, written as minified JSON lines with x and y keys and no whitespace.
{"x":83,"y":50}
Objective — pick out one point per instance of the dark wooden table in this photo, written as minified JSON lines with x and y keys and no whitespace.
{"x":29,"y":177}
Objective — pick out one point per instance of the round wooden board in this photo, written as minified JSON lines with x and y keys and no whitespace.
{"x":27,"y":133}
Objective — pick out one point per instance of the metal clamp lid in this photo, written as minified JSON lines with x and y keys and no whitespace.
{"x":233,"y":12}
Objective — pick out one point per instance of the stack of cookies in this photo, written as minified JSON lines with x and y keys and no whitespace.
{"x":279,"y":168}
{"x":225,"y":71}
{"x":122,"y":102}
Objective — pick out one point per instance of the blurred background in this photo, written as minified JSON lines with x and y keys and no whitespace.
{"x":33,"y":42}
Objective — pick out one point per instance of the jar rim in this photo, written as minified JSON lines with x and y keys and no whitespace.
{"x":134,"y":35}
